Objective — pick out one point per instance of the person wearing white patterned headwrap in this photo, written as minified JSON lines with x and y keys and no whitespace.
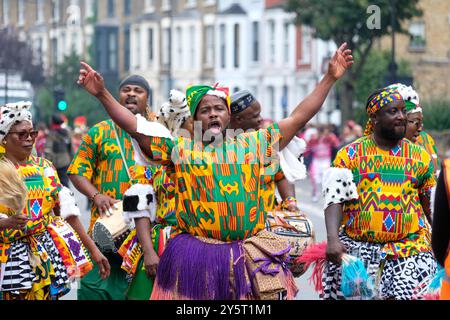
{"x":11,"y":114}
{"x":414,"y":127}
{"x":39,"y":257}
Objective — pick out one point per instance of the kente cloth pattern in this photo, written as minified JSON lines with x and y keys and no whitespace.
{"x":388,"y":209}
{"x":33,"y":267}
{"x":42,"y":255}
{"x":269,"y":187}
{"x":402,"y":279}
{"x":197,"y":268}
{"x":72,"y":247}
{"x":379,"y":101}
{"x":99,"y":160}
{"x":43,"y":186}
{"x":66,"y":257}
{"x":427,"y":142}
{"x":385,"y":97}
{"x":131,"y":250}
{"x":218,"y":189}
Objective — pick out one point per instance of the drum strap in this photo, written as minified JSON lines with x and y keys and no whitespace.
{"x":121,"y":152}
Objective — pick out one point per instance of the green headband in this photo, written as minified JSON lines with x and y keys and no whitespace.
{"x":195,"y":93}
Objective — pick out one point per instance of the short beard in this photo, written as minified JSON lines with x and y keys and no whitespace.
{"x":390,"y":134}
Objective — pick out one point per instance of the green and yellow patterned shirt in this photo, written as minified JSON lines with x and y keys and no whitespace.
{"x":389,"y":183}
{"x":98,"y":159}
{"x":219,"y":191}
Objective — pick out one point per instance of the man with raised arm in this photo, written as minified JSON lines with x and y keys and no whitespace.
{"x":377,"y":200}
{"x":224,"y":251}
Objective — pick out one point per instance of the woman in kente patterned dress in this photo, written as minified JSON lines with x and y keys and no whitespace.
{"x":42,"y":255}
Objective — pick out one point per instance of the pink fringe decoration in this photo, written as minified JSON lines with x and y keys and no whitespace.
{"x":290,"y":285}
{"x":315,"y":254}
{"x":159,"y":293}
{"x":431,"y":296}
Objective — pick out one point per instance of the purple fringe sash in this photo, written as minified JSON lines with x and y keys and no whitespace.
{"x":201,"y":271}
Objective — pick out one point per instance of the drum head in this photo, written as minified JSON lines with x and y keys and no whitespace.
{"x":103,"y":238}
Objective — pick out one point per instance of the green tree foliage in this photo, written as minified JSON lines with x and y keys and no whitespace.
{"x":436,"y":115}
{"x":79,"y":102}
{"x":347,"y":21}
{"x":16,"y":56}
{"x":373,"y":77}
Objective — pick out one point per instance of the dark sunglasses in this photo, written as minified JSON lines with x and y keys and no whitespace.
{"x":23,"y":135}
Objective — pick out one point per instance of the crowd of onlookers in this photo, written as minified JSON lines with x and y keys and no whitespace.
{"x":58,"y":143}
{"x":322,"y":143}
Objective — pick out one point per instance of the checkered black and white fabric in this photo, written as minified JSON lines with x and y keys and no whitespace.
{"x":19,"y":274}
{"x":399,"y":279}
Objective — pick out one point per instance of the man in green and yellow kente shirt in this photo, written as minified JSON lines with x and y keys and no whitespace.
{"x":99,"y":172}
{"x":223,"y":251}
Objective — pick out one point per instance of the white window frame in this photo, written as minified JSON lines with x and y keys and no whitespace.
{"x":138,"y":49}
{"x":165,"y":59}
{"x":62,"y":47}
{"x":112,"y":51}
{"x":56,"y":10}
{"x":272,"y":41}
{"x":40,"y":11}
{"x":222,"y":45}
{"x":5,"y":12}
{"x":20,"y":12}
{"x":149,"y":6}
{"x":179,"y":46}
{"x":272,"y":101}
{"x":190,"y":4}
{"x":255,"y":42}
{"x":237,"y":43}
{"x":417,"y":32}
{"x":74,"y":41}
{"x":114,"y":9}
{"x":209,"y":3}
{"x":151,"y":44}
{"x":306,"y":56}
{"x":165,"y":5}
{"x":209,"y":45}
{"x":192,"y":46}
{"x":286,"y":42}
{"x":89,"y":8}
